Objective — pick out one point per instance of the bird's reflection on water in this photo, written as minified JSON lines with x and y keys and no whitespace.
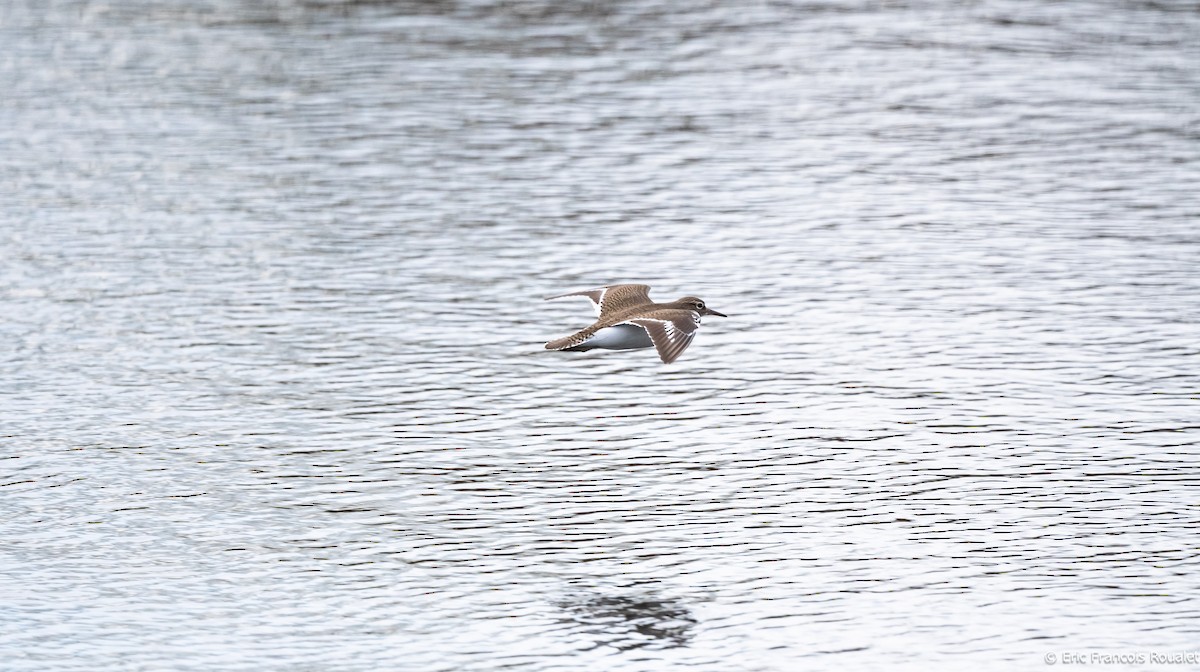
{"x":627,"y":622}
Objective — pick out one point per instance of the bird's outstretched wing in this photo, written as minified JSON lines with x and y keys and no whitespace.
{"x":614,"y":298}
{"x":672,"y":331}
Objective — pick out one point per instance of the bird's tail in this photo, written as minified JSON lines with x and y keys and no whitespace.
{"x":571,"y":341}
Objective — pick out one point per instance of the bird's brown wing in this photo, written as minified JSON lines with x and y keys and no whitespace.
{"x":672,"y":331}
{"x":613,"y":299}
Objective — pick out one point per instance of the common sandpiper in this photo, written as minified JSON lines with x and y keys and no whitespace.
{"x":627,"y":319}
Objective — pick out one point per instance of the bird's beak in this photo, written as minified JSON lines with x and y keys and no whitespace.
{"x":713,"y":312}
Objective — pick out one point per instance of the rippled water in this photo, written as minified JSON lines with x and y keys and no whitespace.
{"x":274,"y":394}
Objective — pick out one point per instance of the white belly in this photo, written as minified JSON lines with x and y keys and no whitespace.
{"x":620,"y":337}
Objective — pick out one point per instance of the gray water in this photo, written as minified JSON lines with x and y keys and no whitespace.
{"x":272,"y":387}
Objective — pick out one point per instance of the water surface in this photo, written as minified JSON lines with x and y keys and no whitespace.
{"x":274,"y":394}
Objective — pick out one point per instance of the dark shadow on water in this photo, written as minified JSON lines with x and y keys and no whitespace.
{"x":631,"y":622}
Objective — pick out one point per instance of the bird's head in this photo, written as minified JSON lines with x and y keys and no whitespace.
{"x":696,"y":304}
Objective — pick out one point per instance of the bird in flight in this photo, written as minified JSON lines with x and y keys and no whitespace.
{"x":627,"y":319}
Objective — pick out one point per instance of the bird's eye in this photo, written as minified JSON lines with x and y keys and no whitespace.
{"x":700,"y":305}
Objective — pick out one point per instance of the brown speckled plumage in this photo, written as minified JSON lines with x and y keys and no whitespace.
{"x":671,"y":326}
